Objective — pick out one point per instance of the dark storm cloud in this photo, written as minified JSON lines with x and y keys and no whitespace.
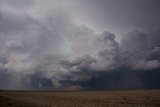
{"x":52,"y":44}
{"x":79,"y":63}
{"x":137,"y":51}
{"x":124,"y":79}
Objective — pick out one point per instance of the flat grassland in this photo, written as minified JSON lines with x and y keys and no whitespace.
{"x":127,"y":98}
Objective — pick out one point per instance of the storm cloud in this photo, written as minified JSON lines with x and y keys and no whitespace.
{"x":52,"y":44}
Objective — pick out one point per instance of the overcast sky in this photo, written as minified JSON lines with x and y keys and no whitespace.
{"x":83,"y":44}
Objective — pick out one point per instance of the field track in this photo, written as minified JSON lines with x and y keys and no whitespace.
{"x":127,"y":98}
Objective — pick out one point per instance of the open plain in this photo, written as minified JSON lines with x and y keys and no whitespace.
{"x":116,"y":98}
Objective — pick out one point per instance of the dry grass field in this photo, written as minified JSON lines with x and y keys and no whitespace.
{"x":130,"y":98}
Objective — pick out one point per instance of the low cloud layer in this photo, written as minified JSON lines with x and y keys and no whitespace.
{"x":47,"y":49}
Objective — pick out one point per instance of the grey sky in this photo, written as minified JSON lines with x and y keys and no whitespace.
{"x":75,"y":40}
